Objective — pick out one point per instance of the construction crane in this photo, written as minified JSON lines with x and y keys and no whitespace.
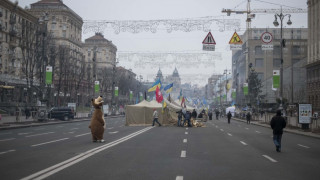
{"x":251,"y":15}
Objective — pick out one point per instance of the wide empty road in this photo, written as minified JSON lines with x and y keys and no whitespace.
{"x":217,"y":151}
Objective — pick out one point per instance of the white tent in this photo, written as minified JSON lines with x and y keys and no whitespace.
{"x":232,"y":109}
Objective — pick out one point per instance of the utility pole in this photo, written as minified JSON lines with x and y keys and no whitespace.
{"x":43,"y":22}
{"x":94,"y":59}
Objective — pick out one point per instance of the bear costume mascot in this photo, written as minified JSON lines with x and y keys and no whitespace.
{"x":97,"y":124}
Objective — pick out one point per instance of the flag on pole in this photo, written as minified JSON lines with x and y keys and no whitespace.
{"x":155,"y":85}
{"x":183,"y":101}
{"x":168,"y":88}
{"x":159,"y":96}
{"x":49,"y":75}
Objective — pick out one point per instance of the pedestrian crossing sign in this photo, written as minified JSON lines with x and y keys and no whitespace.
{"x":235,"y":39}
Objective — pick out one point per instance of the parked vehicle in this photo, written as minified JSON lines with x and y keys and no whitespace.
{"x":63,"y":113}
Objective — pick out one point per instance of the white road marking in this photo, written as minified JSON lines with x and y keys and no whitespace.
{"x":186,"y":133}
{"x":39,"y":134}
{"x":179,"y":178}
{"x":121,"y":126}
{"x":221,"y":130}
{"x":272,"y":160}
{"x":183,"y":154}
{"x":217,"y":126}
{"x":110,"y":128}
{"x":247,"y":128}
{"x":71,"y":132}
{"x":4,"y":152}
{"x":186,"y":128}
{"x":24,"y":133}
{"x":303,"y":146}
{"x":82,"y":156}
{"x":113,"y":132}
{"x":9,"y":139}
{"x":78,"y":124}
{"x":49,"y":142}
{"x":258,"y":132}
{"x":243,"y":143}
{"x":74,"y":128}
{"x":185,"y":141}
{"x":82,"y":134}
{"x":229,"y":134}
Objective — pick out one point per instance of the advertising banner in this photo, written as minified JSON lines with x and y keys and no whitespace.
{"x":245,"y":88}
{"x":96,"y":86}
{"x":305,"y":113}
{"x":276,"y":78}
{"x":116,"y":91}
{"x":49,"y":75}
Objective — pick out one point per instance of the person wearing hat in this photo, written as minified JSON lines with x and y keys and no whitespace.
{"x":277,"y":123}
{"x":155,"y":117}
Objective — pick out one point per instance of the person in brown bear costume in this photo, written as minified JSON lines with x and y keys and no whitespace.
{"x":97,"y":124}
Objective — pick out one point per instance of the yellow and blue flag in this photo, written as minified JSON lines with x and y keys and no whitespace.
{"x":168,"y":88}
{"x":155,"y":85}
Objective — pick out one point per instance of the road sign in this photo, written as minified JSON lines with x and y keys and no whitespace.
{"x":209,"y":39}
{"x":235,"y":39}
{"x":266,"y":37}
{"x":267,"y":47}
{"x":235,"y":47}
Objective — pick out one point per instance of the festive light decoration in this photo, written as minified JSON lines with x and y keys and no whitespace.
{"x":185,"y":25}
{"x":168,"y":59}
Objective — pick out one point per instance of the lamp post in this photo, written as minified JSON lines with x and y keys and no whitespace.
{"x":43,"y":22}
{"x":226,"y":72}
{"x":281,"y":16}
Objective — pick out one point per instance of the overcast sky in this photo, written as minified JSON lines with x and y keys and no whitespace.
{"x":176,"y":41}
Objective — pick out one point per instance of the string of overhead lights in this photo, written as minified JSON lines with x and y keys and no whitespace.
{"x":169,"y":59}
{"x":185,"y":25}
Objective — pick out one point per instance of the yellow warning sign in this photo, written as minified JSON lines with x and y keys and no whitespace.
{"x":235,"y":39}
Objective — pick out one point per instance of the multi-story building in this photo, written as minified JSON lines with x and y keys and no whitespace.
{"x":100,"y":54}
{"x":65,"y":54}
{"x":18,"y":30}
{"x":265,"y":61}
{"x":313,"y":64}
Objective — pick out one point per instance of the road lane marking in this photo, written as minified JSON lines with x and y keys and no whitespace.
{"x":4,"y":152}
{"x":186,"y":133}
{"x":179,"y":178}
{"x":74,"y":128}
{"x":71,"y":132}
{"x":229,"y":134}
{"x":121,"y":126}
{"x":185,"y":141}
{"x":113,"y":132}
{"x":258,"y":132}
{"x":221,"y":130}
{"x":303,"y":146}
{"x":69,"y":162}
{"x":247,"y":128}
{"x":40,"y":134}
{"x":186,"y":128}
{"x":24,"y":133}
{"x":183,"y":154}
{"x":49,"y":142}
{"x":9,"y":139}
{"x":243,"y":143}
{"x":82,"y":134}
{"x":272,"y":160}
{"x":110,"y":128}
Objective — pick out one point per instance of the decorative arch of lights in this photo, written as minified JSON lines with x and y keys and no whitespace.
{"x":154,"y":60}
{"x":185,"y":25}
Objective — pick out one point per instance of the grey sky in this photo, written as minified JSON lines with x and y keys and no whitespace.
{"x":176,"y":41}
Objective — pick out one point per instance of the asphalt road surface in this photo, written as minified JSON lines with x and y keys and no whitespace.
{"x":217,"y":151}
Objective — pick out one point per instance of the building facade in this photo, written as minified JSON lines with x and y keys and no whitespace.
{"x":313,"y":62}
{"x":265,"y":61}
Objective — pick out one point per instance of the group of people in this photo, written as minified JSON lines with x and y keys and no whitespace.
{"x":187,"y":115}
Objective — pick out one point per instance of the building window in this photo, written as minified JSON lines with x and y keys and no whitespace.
{"x":296,"y":50}
{"x":276,"y":50}
{"x":276,"y":63}
{"x":260,"y":76}
{"x":258,"y":50}
{"x":295,"y":61}
{"x":64,"y":34}
{"x":259,"y":62}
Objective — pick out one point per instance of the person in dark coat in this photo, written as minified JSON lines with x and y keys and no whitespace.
{"x":277,"y":123}
{"x":210,"y":115}
{"x":248,"y":117}
{"x":217,"y":114}
{"x":187,"y":117}
{"x":27,"y":112}
{"x":229,"y":115}
{"x":179,"y":117}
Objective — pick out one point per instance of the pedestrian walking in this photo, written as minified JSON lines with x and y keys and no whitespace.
{"x":248,"y":117}
{"x":217,"y":114}
{"x":194,"y":115}
{"x":27,"y":112}
{"x":155,"y":117}
{"x":229,"y":115}
{"x":187,"y":117}
{"x":179,"y":117}
{"x":277,"y":123}
{"x":210,"y":115}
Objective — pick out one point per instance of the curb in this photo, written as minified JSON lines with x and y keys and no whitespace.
{"x":17,"y":126}
{"x":309,"y":134}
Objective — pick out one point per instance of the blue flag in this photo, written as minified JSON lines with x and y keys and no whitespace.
{"x":155,"y":85}
{"x":168,"y":88}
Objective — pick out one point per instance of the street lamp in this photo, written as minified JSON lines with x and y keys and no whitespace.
{"x":43,"y":30}
{"x":281,"y":16}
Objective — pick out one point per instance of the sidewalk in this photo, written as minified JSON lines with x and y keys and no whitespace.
{"x":289,"y":129}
